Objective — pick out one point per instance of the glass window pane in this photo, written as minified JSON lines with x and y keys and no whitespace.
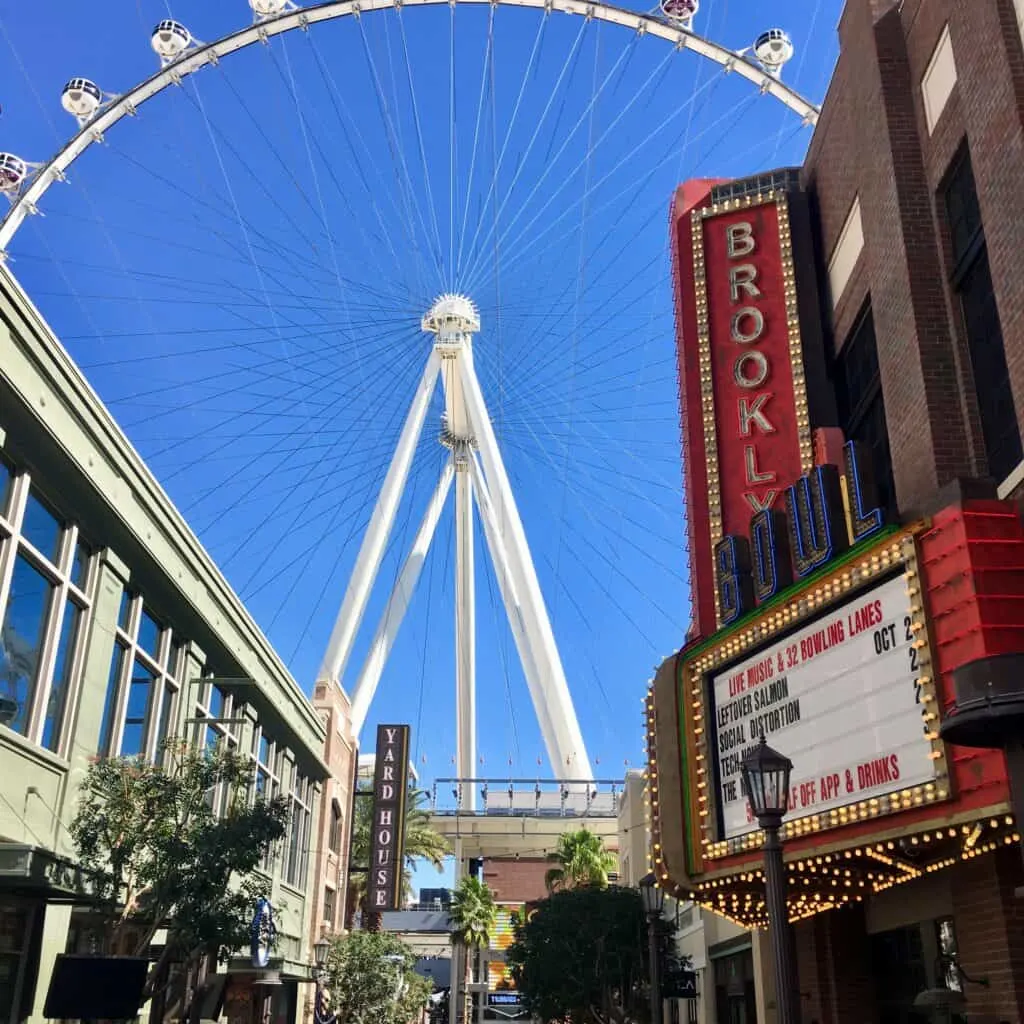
{"x":80,"y":564}
{"x":164,"y":723}
{"x":140,"y":686}
{"x":21,"y":642}
{"x":217,"y":703}
{"x":124,"y":612}
{"x":264,"y":750}
{"x":149,"y":634}
{"x":6,"y":485}
{"x":62,"y":670}
{"x":41,"y":528}
{"x":110,"y":701}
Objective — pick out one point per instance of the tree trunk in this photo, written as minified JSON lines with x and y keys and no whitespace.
{"x":467,"y":996}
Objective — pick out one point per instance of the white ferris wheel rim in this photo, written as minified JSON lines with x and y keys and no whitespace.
{"x":193,"y":59}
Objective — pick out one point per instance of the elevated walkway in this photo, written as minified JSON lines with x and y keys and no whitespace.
{"x":524,"y":817}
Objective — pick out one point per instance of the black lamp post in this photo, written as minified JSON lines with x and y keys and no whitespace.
{"x":766,"y":779}
{"x":320,"y":950}
{"x":654,"y":901}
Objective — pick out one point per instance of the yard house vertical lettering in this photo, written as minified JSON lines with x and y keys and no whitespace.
{"x":390,"y":783}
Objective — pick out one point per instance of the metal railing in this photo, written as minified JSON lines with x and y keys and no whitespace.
{"x":555,"y":798}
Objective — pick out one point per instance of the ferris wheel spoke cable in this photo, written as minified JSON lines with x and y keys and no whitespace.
{"x":585,"y":565}
{"x":550,"y":162}
{"x":485,"y":77}
{"x":524,"y":250}
{"x":401,"y":168}
{"x":345,"y":120}
{"x":271,"y":516}
{"x":357,"y":525}
{"x":522,"y":160}
{"x":356,"y":487}
{"x":631,"y":186}
{"x":355,"y":388}
{"x":220,"y":375}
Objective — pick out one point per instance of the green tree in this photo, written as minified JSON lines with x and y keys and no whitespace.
{"x":582,"y":957}
{"x":370,"y":980}
{"x":422,"y":843}
{"x":580,"y":859}
{"x":471,"y":919}
{"x":160,"y":858}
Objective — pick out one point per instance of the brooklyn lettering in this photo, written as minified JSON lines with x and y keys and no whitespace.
{"x":815,"y":529}
{"x":751,"y":370}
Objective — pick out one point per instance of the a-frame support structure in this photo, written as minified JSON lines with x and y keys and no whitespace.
{"x":478,"y":471}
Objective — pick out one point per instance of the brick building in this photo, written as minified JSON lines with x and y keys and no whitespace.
{"x":893,"y":250}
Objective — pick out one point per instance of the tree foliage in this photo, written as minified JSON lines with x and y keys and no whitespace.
{"x":160,"y":858}
{"x":370,"y":980}
{"x":580,"y":859}
{"x":472,"y":914}
{"x":422,"y":843}
{"x":582,"y":957}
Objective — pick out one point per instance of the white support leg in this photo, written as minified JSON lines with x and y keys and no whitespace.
{"x":368,"y":562}
{"x":465,"y":627}
{"x":513,"y":609}
{"x":566,"y":738}
{"x":398,"y":603}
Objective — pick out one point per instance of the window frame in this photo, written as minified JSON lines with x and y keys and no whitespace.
{"x":59,"y":572}
{"x":858,"y":413}
{"x":968,"y":255}
{"x":336,"y":827}
{"x":126,"y":647}
{"x":296,"y":858}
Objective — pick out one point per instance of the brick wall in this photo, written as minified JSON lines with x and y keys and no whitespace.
{"x":515,"y":881}
{"x":873,"y":141}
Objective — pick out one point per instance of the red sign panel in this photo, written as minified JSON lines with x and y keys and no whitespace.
{"x":755,"y":407}
{"x":746,"y":433}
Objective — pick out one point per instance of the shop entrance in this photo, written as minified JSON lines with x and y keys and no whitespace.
{"x":735,"y":999}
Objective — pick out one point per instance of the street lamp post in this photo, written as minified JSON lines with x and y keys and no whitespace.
{"x":320,"y":950}
{"x":765,"y":775}
{"x":654,"y":901}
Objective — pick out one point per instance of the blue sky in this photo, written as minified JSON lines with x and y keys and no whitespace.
{"x":241,"y":269}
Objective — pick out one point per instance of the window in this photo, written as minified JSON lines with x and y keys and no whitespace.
{"x":268,"y":761}
{"x":297,"y":856}
{"x":328,"y":906}
{"x":860,"y":402}
{"x":142,"y":687}
{"x":218,"y":721}
{"x":972,"y":285}
{"x":334,"y":839}
{"x":44,"y":604}
{"x":939,"y":80}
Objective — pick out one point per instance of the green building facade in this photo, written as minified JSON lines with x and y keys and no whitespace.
{"x":113,"y":619}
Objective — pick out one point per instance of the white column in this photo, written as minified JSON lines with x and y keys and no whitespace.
{"x":368,"y":561}
{"x":398,"y":603}
{"x":465,"y":627}
{"x":573,"y":762}
{"x":510,"y":598}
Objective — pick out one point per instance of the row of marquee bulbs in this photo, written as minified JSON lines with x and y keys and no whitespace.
{"x":83,"y":98}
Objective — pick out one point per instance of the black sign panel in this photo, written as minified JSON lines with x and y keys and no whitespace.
{"x":681,"y":985}
{"x":390,"y":783}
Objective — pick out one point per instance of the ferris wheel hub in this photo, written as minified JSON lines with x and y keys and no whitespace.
{"x":452,"y":318}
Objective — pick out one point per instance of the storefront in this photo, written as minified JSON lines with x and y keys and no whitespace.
{"x":852,"y":396}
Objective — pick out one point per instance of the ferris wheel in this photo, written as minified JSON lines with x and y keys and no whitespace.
{"x":283,"y":254}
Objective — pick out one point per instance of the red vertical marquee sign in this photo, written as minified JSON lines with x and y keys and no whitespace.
{"x":746,"y":429}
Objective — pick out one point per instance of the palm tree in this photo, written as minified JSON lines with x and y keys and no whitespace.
{"x":422,"y":843}
{"x":471,"y":920}
{"x":581,"y":859}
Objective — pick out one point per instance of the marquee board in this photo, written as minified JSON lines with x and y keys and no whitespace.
{"x":840,"y":696}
